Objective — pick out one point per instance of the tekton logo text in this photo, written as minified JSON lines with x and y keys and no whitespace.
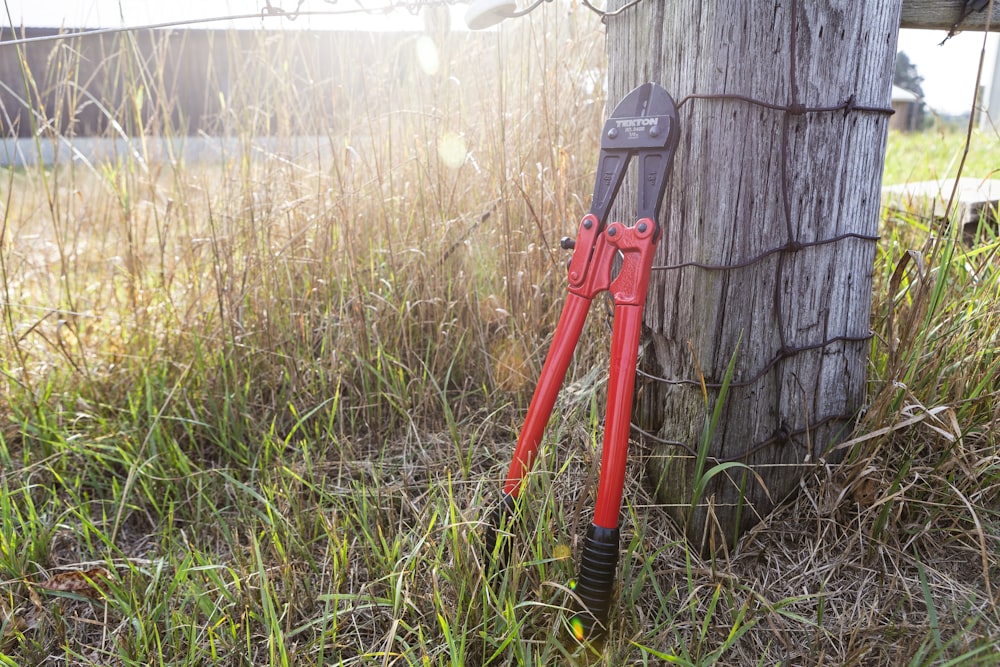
{"x":636,"y":123}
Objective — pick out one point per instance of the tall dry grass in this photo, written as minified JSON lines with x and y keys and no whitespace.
{"x":411,"y":237}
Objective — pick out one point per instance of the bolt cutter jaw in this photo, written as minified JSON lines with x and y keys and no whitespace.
{"x":644,"y":124}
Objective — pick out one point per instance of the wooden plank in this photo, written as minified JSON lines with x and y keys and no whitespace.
{"x":974,"y":198}
{"x":942,"y":15}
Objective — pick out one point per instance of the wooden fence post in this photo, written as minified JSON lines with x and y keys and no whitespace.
{"x":770,"y":226}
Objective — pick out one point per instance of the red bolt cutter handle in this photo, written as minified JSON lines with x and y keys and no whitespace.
{"x":599,"y":559}
{"x":643,"y":125}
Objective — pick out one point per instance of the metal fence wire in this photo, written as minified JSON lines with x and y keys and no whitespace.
{"x":792,"y":245}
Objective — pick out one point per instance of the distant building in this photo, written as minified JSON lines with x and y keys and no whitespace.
{"x":192,"y":82}
{"x":991,"y":119}
{"x":906,"y":104}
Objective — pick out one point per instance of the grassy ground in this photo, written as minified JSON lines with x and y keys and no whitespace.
{"x":254,"y":411}
{"x":937,"y":154}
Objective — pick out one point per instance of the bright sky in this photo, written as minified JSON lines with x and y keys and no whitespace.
{"x":949,"y":71}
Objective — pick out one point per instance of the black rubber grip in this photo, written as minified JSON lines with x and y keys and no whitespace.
{"x":501,"y":515}
{"x":596,"y":582}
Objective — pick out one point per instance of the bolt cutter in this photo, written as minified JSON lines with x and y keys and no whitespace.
{"x":644,"y":127}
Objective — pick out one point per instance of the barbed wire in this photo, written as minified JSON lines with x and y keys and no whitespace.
{"x":270,"y":10}
{"x":780,"y":356}
{"x":275,"y":9}
{"x":177,"y":23}
{"x":387,"y":6}
{"x":782,"y":435}
{"x":791,"y":246}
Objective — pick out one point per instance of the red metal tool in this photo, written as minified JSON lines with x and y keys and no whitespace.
{"x":643,"y":126}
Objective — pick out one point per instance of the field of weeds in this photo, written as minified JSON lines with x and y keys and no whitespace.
{"x":254,"y":410}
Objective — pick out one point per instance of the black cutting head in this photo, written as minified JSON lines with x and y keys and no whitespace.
{"x":643,"y":125}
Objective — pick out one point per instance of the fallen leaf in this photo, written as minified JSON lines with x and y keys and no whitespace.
{"x":35,"y":598}
{"x":89,"y":583}
{"x":865,"y":492}
{"x":561,"y":551}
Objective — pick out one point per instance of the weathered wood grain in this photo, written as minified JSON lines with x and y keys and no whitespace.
{"x":726,"y":203}
{"x":942,"y":15}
